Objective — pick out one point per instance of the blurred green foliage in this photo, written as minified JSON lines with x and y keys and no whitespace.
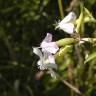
{"x":23,"y":24}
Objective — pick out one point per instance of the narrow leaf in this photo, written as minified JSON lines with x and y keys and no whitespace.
{"x":90,"y":57}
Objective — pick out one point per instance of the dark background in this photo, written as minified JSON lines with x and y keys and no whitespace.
{"x":24,"y":24}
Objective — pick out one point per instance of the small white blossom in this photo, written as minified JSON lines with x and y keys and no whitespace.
{"x":67,"y":24}
{"x":48,"y":46}
{"x":47,"y":60}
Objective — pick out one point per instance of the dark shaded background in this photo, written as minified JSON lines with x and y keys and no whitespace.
{"x":23,"y":24}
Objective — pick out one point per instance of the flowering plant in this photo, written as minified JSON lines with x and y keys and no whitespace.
{"x":47,"y":60}
{"x":53,"y":53}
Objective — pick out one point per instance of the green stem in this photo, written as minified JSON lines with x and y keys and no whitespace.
{"x":69,"y":85}
{"x":80,"y":19}
{"x":61,"y":8}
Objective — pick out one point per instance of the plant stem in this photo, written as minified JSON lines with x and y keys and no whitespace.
{"x":61,"y":9}
{"x":80,"y":20}
{"x":69,"y":85}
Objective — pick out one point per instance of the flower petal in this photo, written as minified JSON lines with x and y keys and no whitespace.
{"x":50,"y":47}
{"x":51,"y":58}
{"x":49,"y":61}
{"x":38,"y":52}
{"x":71,"y":17}
{"x":48,"y":38}
{"x":68,"y":28}
{"x":41,"y":66}
{"x":52,"y":63}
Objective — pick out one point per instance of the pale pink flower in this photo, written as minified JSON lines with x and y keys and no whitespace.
{"x":48,"y":46}
{"x":47,"y":60}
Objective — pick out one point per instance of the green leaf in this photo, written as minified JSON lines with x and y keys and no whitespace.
{"x":65,"y":41}
{"x":90,"y":57}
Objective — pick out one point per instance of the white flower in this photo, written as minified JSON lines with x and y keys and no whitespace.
{"x":67,"y":24}
{"x":48,"y":46}
{"x":47,"y":61}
